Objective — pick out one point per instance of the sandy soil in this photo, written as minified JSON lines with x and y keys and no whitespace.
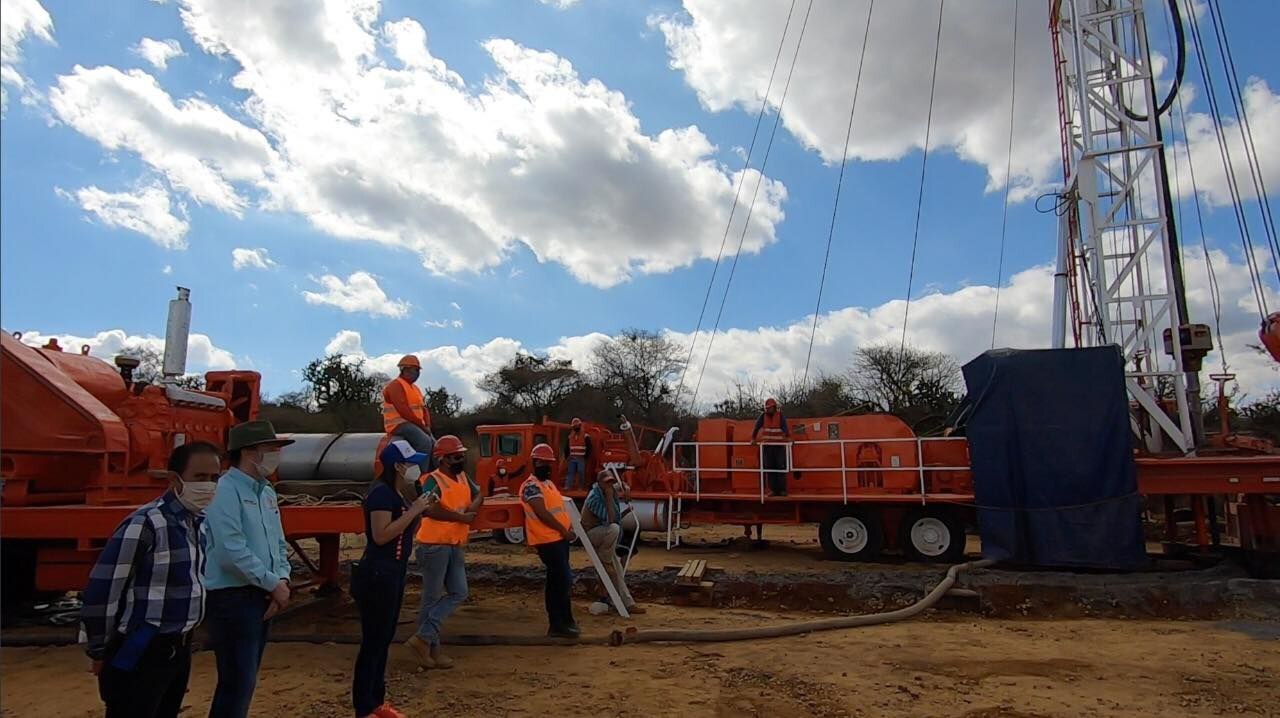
{"x":953,"y":667}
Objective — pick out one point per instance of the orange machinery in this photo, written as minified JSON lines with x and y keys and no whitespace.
{"x":83,"y":444}
{"x":869,"y":483}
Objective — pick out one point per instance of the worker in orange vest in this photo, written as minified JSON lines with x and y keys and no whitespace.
{"x":773,"y":425}
{"x":579,"y":448}
{"x":404,"y":410}
{"x":441,"y":536}
{"x":547,"y":528}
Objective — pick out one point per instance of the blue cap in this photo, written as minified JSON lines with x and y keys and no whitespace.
{"x":400,"y":452}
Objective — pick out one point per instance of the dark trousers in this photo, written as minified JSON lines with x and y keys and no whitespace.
{"x":775,"y":465}
{"x":378,"y":589}
{"x":239,"y":636}
{"x":155,"y":686}
{"x":555,"y":556}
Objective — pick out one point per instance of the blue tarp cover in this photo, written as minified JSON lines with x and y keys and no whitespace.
{"x":1052,"y":455}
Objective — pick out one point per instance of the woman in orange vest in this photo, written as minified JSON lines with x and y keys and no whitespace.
{"x":547,"y":529}
{"x":377,"y":581}
{"x":404,"y":409}
{"x":441,"y":536}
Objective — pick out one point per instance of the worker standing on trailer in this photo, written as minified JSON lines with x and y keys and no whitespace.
{"x":247,"y":573}
{"x":579,"y":450}
{"x":773,"y":425}
{"x":602,"y":520}
{"x":441,"y":536}
{"x":377,"y":581}
{"x":404,"y":409}
{"x":547,"y":528}
{"x":146,"y":593}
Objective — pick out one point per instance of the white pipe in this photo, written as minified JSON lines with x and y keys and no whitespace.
{"x":176,"y":333}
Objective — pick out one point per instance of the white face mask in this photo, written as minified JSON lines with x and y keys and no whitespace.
{"x":412,"y":474}
{"x":270,"y":462}
{"x":196,"y":495}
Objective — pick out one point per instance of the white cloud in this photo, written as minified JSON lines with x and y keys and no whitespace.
{"x":199,"y":148}
{"x":456,"y":306}
{"x":444,"y":324}
{"x":19,"y":19}
{"x":243,"y":258}
{"x":1201,"y":147}
{"x":957,"y":322}
{"x":157,"y":52}
{"x":202,"y":354}
{"x":725,"y":50}
{"x":405,"y":153}
{"x":147,"y":211}
{"x":357,"y":293}
{"x":168,"y":269}
{"x":559,"y":4}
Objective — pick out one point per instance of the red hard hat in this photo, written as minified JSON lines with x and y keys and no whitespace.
{"x":448,"y":444}
{"x":409,"y":360}
{"x":543,"y":452}
{"x":771,"y":403}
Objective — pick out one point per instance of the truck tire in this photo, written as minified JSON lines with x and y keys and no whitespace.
{"x":852,"y":533}
{"x":932,"y":535}
{"x":513,"y":535}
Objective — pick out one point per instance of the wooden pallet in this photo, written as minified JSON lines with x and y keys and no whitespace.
{"x":691,"y":573}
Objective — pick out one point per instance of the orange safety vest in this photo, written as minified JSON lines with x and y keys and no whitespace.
{"x":771,"y":429}
{"x":577,"y":443}
{"x":536,"y":532}
{"x":455,"y":495}
{"x":391,"y":418}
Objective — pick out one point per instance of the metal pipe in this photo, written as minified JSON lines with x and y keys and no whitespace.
{"x":177,"y":331}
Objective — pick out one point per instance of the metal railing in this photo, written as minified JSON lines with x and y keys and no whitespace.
{"x":843,"y":468}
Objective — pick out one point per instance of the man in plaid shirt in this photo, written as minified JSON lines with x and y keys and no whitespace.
{"x":146,"y":594}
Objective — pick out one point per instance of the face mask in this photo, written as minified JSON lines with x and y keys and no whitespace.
{"x":542,"y":472}
{"x":411,"y":474}
{"x":196,"y":495}
{"x":270,"y":462}
{"x":456,"y":466}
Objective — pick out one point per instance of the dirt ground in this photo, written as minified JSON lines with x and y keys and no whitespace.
{"x":933,"y":667}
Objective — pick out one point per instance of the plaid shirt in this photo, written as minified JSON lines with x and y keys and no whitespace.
{"x":151,"y":571}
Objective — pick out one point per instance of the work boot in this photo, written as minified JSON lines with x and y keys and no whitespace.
{"x":421,"y":651}
{"x":440,"y":659}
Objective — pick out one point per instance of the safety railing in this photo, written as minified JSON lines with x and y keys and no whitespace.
{"x":920,"y":469}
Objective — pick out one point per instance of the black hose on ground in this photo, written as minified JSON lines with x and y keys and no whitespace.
{"x":617,"y":638}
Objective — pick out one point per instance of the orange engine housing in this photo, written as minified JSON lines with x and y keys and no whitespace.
{"x":76,"y":433}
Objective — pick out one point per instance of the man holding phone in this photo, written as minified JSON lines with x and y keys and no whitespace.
{"x":146,"y":593}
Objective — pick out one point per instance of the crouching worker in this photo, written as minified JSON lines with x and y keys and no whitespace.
{"x":146,"y":593}
{"x":377,"y":581}
{"x":441,"y":536}
{"x":602,"y":520}
{"x":547,"y":530}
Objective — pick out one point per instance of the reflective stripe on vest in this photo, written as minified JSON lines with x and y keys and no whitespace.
{"x":455,"y":495}
{"x":413,"y":395}
{"x":536,"y":532}
{"x":771,"y":430}
{"x":577,"y":443}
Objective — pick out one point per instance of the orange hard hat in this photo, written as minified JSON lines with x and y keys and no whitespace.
{"x":543,"y":452}
{"x":771,"y":403}
{"x":448,"y":444}
{"x":576,"y":422}
{"x":409,"y":360}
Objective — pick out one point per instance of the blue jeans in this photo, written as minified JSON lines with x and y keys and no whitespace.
{"x":419,"y":440}
{"x":378,"y":588}
{"x":559,"y":588}
{"x":239,"y":636}
{"x":577,"y":467}
{"x":444,"y":587}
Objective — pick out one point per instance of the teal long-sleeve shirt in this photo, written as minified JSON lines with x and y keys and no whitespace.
{"x":246,"y":544}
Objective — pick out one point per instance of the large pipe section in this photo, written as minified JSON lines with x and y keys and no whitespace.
{"x":329,"y":457}
{"x":176,"y":333}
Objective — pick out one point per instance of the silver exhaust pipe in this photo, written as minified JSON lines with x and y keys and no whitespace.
{"x":176,"y":333}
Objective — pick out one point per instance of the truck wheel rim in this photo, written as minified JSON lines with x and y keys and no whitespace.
{"x":849,"y":534}
{"x":514,"y":535}
{"x":930,"y":536}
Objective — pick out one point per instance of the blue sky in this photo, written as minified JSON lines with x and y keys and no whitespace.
{"x":527,"y":278}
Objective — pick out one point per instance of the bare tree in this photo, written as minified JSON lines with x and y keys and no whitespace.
{"x":745,"y":400}
{"x":532,"y":385}
{"x":911,"y":383}
{"x":638,"y":367}
{"x":151,"y":368}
